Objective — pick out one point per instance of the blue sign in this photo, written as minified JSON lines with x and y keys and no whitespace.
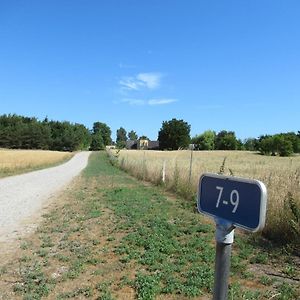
{"x":237,"y":200}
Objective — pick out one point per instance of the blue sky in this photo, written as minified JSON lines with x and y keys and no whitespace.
{"x":232,"y":65}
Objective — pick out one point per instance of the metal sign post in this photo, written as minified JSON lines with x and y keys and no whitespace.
{"x":224,"y":240}
{"x":232,"y":202}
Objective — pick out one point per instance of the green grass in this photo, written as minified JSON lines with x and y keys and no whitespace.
{"x":114,"y":235}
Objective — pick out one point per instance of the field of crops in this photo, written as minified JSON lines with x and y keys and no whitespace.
{"x":281,"y":176}
{"x":20,"y":161}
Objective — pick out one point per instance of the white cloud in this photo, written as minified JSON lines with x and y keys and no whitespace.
{"x":150,"y":102}
{"x":150,"y":80}
{"x":129,"y":83}
{"x":161,"y":101}
{"x":142,"y":80}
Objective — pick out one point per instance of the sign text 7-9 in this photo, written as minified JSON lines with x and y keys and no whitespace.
{"x":238,"y":200}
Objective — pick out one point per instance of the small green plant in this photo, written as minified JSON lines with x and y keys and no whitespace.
{"x":34,"y":283}
{"x":290,"y":270}
{"x":266,"y":280}
{"x":147,"y":286}
{"x":259,"y":258}
{"x":287,"y":292}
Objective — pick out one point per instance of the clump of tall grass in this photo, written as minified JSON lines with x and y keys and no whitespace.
{"x":280,"y":175}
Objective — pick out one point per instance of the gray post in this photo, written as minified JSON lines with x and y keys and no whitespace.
{"x":224,"y":240}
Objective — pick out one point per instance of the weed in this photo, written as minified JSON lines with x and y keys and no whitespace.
{"x":260,"y":258}
{"x":33,"y":283}
{"x":290,"y":270}
{"x":266,"y":280}
{"x":287,"y":292}
{"x":147,"y":286}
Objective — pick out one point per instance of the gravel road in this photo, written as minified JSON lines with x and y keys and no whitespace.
{"x":22,"y":196}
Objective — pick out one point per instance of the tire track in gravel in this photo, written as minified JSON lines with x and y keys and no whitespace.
{"x":22,"y":196}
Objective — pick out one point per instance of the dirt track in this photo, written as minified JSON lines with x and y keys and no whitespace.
{"x":23,"y":196}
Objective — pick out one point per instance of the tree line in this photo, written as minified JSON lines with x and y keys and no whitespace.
{"x":19,"y":132}
{"x":175,"y":134}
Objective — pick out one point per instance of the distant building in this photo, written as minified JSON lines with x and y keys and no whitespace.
{"x":142,"y":144}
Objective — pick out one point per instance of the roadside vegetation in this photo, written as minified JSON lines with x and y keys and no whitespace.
{"x":182,"y":170}
{"x":113,"y":237}
{"x":13,"y":162}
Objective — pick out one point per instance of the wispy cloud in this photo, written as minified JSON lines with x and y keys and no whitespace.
{"x":161,"y":101}
{"x":150,"y":80}
{"x":142,"y":80}
{"x":129,"y":83}
{"x":151,"y":102}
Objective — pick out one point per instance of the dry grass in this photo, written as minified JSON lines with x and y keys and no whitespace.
{"x":281,"y":176}
{"x":19,"y":161}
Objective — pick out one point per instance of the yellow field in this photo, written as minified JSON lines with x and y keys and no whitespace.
{"x":281,"y":175}
{"x":20,"y":161}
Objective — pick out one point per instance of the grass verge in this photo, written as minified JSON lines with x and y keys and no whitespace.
{"x":114,"y":237}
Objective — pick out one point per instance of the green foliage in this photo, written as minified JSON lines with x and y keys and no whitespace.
{"x":250,"y":144}
{"x":147,"y":286}
{"x":97,"y":142}
{"x":283,"y":144}
{"x":132,"y":135}
{"x":18,"y":132}
{"x":33,"y":283}
{"x":205,"y":141}
{"x":174,"y":134}
{"x":101,"y":129}
{"x":121,"y":138}
{"x":226,"y":140}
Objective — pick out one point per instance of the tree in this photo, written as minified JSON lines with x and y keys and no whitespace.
{"x":226,"y":140}
{"x":82,"y":137}
{"x":121,"y":138}
{"x":97,"y":142}
{"x":104,"y":131}
{"x":295,"y":140}
{"x":278,"y":144}
{"x":174,"y":134}
{"x":265,"y":145}
{"x":250,"y":144}
{"x":132,"y":135}
{"x":205,"y":141}
{"x":284,"y":146}
{"x":29,"y":133}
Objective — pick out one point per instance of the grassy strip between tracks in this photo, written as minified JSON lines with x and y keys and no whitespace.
{"x":113,"y":237}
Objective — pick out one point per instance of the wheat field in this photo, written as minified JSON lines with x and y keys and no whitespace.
{"x":281,"y":175}
{"x":20,"y":161}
